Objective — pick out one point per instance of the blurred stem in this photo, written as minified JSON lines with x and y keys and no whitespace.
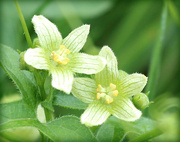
{"x":146,"y":136}
{"x":156,"y":57}
{"x":173,"y":10}
{"x":28,"y":38}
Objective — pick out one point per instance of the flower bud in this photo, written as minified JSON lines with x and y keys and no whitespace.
{"x":141,"y":100}
{"x":35,"y":43}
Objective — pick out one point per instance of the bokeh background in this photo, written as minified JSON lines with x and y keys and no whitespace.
{"x":131,"y":28}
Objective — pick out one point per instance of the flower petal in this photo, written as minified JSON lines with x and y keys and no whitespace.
{"x":132,"y":84}
{"x":88,"y":64}
{"x":48,"y":34}
{"x":62,"y":80}
{"x":125,"y":110}
{"x":77,"y":38}
{"x":122,"y":74}
{"x":110,"y":73}
{"x":37,"y":58}
{"x":95,"y":114}
{"x":84,"y":89}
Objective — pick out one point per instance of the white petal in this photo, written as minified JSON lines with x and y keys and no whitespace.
{"x":77,"y":38}
{"x":95,"y":114}
{"x":84,"y":89}
{"x":88,"y":64}
{"x":62,"y":80}
{"x":132,"y":84}
{"x":48,"y":34}
{"x":125,"y":110}
{"x":122,"y":74}
{"x":37,"y":58}
{"x":110,"y":73}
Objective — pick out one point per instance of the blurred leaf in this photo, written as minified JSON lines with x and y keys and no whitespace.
{"x":62,"y":99}
{"x":15,"y":110}
{"x":123,"y":129}
{"x":66,"y":128}
{"x":24,"y":80}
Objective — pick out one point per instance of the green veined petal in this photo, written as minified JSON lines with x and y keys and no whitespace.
{"x":62,"y":80}
{"x":95,"y":114}
{"x":132,"y":84}
{"x":37,"y":58}
{"x":110,"y":73}
{"x":84,"y":89}
{"x":122,"y":74}
{"x":48,"y":34}
{"x":88,"y":64}
{"x":125,"y":110}
{"x":77,"y":38}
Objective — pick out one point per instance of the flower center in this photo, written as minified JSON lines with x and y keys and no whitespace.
{"x":60,"y":56}
{"x":107,"y":93}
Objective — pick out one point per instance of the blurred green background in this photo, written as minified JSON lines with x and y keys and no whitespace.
{"x":130,"y":27}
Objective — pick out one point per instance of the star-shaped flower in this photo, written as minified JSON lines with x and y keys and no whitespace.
{"x":110,"y":92}
{"x":60,"y":56}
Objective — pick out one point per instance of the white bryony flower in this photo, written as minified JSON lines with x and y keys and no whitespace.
{"x":110,"y":92}
{"x":60,"y":56}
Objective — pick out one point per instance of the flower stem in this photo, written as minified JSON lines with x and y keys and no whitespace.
{"x":156,"y":57}
{"x":146,"y":136}
{"x":40,"y":81}
{"x":28,"y":38}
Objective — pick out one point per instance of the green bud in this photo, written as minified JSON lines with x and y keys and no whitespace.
{"x":141,"y":100}
{"x":35,"y":43}
{"x":22,"y":64}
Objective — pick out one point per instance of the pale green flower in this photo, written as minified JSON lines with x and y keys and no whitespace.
{"x":60,"y":56}
{"x":110,"y":92}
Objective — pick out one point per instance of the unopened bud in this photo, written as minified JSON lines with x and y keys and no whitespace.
{"x":141,"y":100}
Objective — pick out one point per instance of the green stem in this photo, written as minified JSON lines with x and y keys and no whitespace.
{"x":40,"y":83}
{"x":154,"y":69}
{"x":146,"y":136}
{"x":28,"y":38}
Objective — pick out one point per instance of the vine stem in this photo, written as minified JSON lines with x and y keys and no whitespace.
{"x":148,"y":135}
{"x":154,"y":68}
{"x":21,"y":17}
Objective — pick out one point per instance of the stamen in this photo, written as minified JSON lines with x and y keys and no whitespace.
{"x":112,"y":86}
{"x":107,"y":93}
{"x":109,"y":99}
{"x":99,"y":87}
{"x":60,"y":55}
{"x":62,"y":47}
{"x":115,"y":92}
{"x":98,"y":96}
{"x":68,"y":51}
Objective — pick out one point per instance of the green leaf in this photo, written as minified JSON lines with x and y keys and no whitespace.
{"x":62,"y":99}
{"x":66,"y":128}
{"x":110,"y":132}
{"x":24,"y":80}
{"x":15,"y":110}
{"x":114,"y":130}
{"x":105,"y":133}
{"x":133,"y":129}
